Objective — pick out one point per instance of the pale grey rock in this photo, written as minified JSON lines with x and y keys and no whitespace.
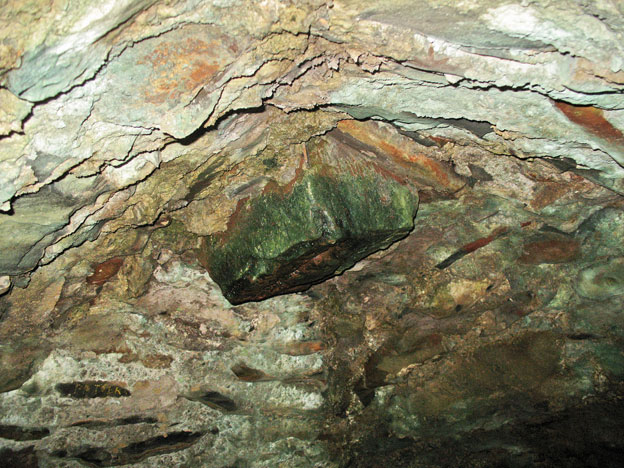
{"x":12,"y":112}
{"x":13,"y":172}
{"x":152,"y":83}
{"x":71,"y":55}
{"x":240,"y":434}
{"x":5,"y":284}
{"x":36,"y":219}
{"x":565,"y":26}
{"x":529,"y":115}
{"x":525,"y":65}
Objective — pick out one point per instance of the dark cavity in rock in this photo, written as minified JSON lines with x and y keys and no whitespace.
{"x":215,"y":400}
{"x":137,"y":451}
{"x":24,"y":458}
{"x":23,"y":433}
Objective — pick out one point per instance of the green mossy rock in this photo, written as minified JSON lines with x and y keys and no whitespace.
{"x":290,"y":238}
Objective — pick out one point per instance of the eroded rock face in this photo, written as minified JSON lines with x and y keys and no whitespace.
{"x":162,"y":161}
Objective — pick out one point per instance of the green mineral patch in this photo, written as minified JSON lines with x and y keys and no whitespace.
{"x":292,"y":237}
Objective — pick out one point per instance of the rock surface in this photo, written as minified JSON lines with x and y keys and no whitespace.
{"x":151,"y":149}
{"x":319,"y":224}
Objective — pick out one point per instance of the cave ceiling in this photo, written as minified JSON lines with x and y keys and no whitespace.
{"x":314,"y":233}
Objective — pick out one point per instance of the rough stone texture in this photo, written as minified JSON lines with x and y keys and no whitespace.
{"x":321,"y":223}
{"x":135,"y":134}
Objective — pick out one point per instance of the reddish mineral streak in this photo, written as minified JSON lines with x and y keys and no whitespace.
{"x":592,"y":119}
{"x":237,"y":212}
{"x":179,"y":67}
{"x":472,"y":246}
{"x":431,"y":168}
{"x":298,"y":172}
{"x":106,"y":270}
{"x":388,"y":174}
{"x":272,"y":186}
{"x":475,"y":245}
{"x":303,"y":348}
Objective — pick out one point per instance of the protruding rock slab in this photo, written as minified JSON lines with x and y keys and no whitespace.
{"x":336,"y":211}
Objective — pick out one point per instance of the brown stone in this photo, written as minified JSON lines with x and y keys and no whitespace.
{"x":550,"y":250}
{"x":105,"y":271}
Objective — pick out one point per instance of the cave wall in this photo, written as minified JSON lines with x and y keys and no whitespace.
{"x":415,"y":210}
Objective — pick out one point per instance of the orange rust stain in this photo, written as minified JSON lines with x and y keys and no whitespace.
{"x":348,"y":125}
{"x":298,"y":172}
{"x":271,"y":187}
{"x":105,"y":271}
{"x":237,"y":213}
{"x":304,"y":347}
{"x":435,"y":170}
{"x":592,"y":119}
{"x":389,"y":174}
{"x":179,"y":68}
{"x":201,"y":73}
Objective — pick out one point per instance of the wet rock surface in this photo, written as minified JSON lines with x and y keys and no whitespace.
{"x":311,"y":234}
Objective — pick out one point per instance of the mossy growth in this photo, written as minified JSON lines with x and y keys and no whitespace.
{"x":292,"y":237}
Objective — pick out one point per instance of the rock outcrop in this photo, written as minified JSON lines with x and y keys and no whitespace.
{"x":328,"y":217}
